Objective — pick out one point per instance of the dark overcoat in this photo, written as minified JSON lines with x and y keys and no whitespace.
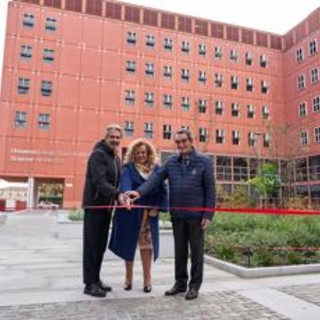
{"x":127,"y":223}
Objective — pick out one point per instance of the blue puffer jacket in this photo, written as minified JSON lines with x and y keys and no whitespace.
{"x":189,"y":186}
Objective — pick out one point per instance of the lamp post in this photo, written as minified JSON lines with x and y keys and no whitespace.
{"x":258,"y":134}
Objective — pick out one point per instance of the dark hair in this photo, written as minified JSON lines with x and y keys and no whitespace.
{"x":185,"y":131}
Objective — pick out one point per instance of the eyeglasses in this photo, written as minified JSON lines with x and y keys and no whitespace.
{"x":182,"y":141}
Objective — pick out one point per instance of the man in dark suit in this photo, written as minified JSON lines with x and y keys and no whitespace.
{"x":101,"y":189}
{"x":191,"y":184}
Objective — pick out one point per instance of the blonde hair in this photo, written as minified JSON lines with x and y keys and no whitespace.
{"x":133,"y":147}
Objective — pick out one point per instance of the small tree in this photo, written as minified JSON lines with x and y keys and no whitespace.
{"x":268,"y":183}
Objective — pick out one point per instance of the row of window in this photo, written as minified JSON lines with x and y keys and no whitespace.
{"x":315,"y":106}
{"x":24,"y":87}
{"x":304,"y":136}
{"x":313,"y":49}
{"x":131,"y":68}
{"x":26,"y":53}
{"x":314,"y":77}
{"x":28,"y":21}
{"x":220,"y":134}
{"x":234,"y":55}
{"x":20,"y":120}
{"x":202,"y":105}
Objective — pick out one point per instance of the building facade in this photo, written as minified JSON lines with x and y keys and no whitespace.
{"x":73,"y":66}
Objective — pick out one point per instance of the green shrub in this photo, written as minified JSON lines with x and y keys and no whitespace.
{"x":273,"y":240}
{"x":76,"y":215}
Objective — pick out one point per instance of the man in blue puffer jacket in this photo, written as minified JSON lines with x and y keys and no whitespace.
{"x":191,"y":184}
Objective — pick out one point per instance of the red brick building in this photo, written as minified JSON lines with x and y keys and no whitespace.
{"x":73,"y":66}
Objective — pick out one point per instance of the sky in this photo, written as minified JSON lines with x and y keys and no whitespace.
{"x":277,"y":16}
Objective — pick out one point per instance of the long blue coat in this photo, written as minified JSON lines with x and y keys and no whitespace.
{"x":127,"y":223}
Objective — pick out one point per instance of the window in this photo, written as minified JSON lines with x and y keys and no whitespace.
{"x":266,"y":140}
{"x":131,"y":66}
{"x":51,"y":24}
{"x":251,"y":139}
{"x":234,"y":55}
{"x":316,"y":104}
{"x":48,"y":55}
{"x":44,"y":121}
{"x":150,"y":42}
{"x":202,"y":105}
{"x":219,"y":136}
{"x":263,"y":61}
{"x":202,"y":49}
{"x":317,"y":134}
{"x":234,"y":82}
{"x":249,"y":59}
{"x":149,"y":99}
{"x":301,"y":82}
{"x":168,"y":44}
{"x":264,"y":87}
{"x":235,"y":110}
{"x":167,"y":133}
{"x":185,"y":47}
{"x":148,"y":130}
{"x":299,"y":55}
{"x":302,"y":109}
{"x":23,"y":85}
{"x":249,"y":84}
{"x":218,"y":106}
{"x":167,"y":101}
{"x":128,"y":128}
{"x":131,"y":38}
{"x":235,"y":137}
{"x":26,"y":52}
{"x":202,"y":77}
{"x":167,"y":72}
{"x":218,"y":80}
{"x":250,"y":111}
{"x":20,"y":120}
{"x":28,"y":20}
{"x":129,"y":97}
{"x":314,"y":75}
{"x":217,"y":53}
{"x":304,"y":138}
{"x":185,"y":76}
{"x":46,"y":88}
{"x":203,"y":135}
{"x":185,"y":103}
{"x":265,"y":113}
{"x":313,"y":47}
{"x":149,"y":69}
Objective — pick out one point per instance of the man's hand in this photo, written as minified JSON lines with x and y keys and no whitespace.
{"x":133,"y":195}
{"x":204,"y":223}
{"x":124,"y":200}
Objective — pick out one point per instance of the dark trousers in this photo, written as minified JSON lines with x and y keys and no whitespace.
{"x":95,"y":238}
{"x":188,"y":233}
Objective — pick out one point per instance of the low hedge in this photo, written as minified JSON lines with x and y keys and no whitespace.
{"x":257,"y":240}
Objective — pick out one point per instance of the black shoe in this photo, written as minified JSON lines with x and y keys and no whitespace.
{"x":94,"y":290}
{"x":175,"y":290}
{"x":191,"y":294}
{"x":104,"y":287}
{"x":147,"y":289}
{"x":127,"y":286}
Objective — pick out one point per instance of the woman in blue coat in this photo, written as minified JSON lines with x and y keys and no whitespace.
{"x":139,"y":225}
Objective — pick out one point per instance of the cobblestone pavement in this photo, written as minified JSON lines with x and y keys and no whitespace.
{"x":310,"y":293}
{"x":222,"y":306}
